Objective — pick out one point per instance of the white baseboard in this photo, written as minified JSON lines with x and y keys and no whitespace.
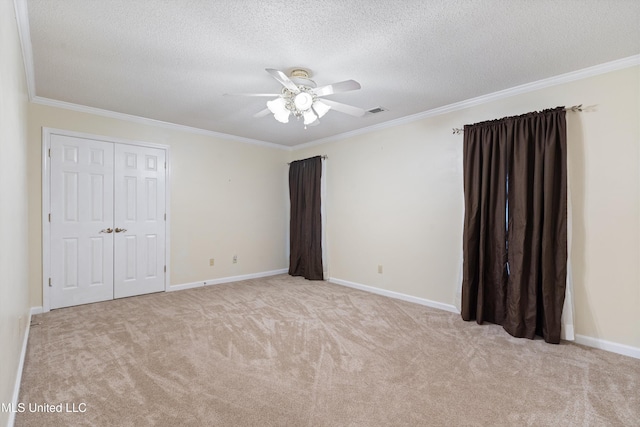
{"x":396,"y":295}
{"x":16,"y":387}
{"x":36,"y":310}
{"x":613,"y":347}
{"x":226,"y":280}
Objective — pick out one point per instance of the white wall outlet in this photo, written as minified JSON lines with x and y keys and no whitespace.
{"x":380,"y":269}
{"x":235,"y":259}
{"x":211,"y":262}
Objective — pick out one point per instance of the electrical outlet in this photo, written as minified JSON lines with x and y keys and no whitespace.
{"x":210,"y":262}
{"x":380,"y":269}
{"x":235,"y":259}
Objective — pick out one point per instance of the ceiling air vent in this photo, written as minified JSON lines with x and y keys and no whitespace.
{"x":376,"y":110}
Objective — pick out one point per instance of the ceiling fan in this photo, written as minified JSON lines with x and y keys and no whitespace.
{"x":300,"y":97}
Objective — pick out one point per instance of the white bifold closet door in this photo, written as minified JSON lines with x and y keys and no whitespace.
{"x":107,"y":220}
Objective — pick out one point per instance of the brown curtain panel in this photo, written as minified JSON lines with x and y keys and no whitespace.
{"x":515,"y":226}
{"x":305,"y":257}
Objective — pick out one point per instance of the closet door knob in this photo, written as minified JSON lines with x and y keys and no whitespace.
{"x":107,"y":230}
{"x":120,"y":230}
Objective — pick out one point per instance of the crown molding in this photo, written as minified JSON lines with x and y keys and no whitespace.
{"x":22,"y":18}
{"x":24,"y":33}
{"x":152,"y":122}
{"x":596,"y":70}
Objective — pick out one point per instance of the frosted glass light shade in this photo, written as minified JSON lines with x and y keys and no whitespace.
{"x":278,"y":108}
{"x":303,"y":101}
{"x":321,"y":108}
{"x":309,"y":117}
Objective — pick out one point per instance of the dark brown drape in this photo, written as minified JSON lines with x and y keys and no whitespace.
{"x":305,"y":257}
{"x":515,"y":226}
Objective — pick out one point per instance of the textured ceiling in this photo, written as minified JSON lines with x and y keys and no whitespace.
{"x":172,"y":60}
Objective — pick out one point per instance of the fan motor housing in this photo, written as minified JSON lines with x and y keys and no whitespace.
{"x":301,"y":77}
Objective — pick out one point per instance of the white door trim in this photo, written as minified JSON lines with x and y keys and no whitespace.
{"x":46,"y":202}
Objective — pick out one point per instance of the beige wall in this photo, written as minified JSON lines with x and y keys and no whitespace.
{"x":227,"y":197}
{"x":394,"y":198}
{"x":14,"y":307}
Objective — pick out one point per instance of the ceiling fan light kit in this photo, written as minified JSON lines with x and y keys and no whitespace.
{"x":301,"y":104}
{"x":301,"y":98}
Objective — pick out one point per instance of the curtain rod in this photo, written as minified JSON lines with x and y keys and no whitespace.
{"x":324,"y":157}
{"x":575,"y":109}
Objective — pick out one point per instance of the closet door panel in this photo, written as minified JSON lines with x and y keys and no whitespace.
{"x":81,"y":191}
{"x":140,"y":186}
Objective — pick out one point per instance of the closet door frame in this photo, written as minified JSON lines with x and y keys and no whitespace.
{"x":46,"y":202}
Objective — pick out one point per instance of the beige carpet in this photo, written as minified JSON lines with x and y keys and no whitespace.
{"x":283,"y":351}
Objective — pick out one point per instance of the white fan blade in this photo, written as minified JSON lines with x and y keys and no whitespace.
{"x":344,"y":108}
{"x":283,"y":79}
{"x":344,"y":86}
{"x":271,"y":95}
{"x":262,"y":113}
